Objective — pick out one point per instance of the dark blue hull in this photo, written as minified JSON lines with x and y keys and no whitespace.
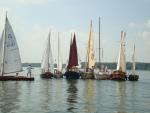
{"x":133,"y":77}
{"x":72,"y":75}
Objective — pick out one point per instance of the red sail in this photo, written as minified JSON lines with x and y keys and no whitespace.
{"x":73,"y":56}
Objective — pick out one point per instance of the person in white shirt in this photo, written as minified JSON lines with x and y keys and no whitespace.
{"x":29,"y":70}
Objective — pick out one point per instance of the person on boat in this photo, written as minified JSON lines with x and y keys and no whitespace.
{"x":17,"y":74}
{"x":29,"y":70}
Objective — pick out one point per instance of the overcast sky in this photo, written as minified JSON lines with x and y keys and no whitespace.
{"x":32,"y":19}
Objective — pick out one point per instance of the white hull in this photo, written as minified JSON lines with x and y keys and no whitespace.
{"x":101,"y":76}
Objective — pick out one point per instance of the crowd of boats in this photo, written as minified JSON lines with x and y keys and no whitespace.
{"x":11,"y":62}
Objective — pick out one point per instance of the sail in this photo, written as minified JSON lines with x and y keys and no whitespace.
{"x":79,"y":61}
{"x":11,"y":61}
{"x":47,"y":60}
{"x":1,"y":52}
{"x":133,"y":61}
{"x":70,"y":55}
{"x":90,"y":50}
{"x":59,"y":63}
{"x":73,"y":56}
{"x":121,"y":65}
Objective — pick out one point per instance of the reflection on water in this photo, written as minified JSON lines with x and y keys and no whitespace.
{"x":89,"y":96}
{"x":9,"y":95}
{"x":75,"y":96}
{"x":46,"y":95}
{"x":121,"y":96}
{"x":72,"y":95}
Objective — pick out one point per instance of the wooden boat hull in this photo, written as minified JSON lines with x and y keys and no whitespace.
{"x":72,"y":75}
{"x":133,"y":77}
{"x":101,"y":76}
{"x":58,"y":75}
{"x":118,"y":75}
{"x":16,"y":78}
{"x":47,"y":75}
{"x":87,"y":75}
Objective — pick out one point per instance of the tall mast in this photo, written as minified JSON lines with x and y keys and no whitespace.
{"x":2,"y":71}
{"x":133,"y":61}
{"x":49,"y":48}
{"x":99,"y":45}
{"x":58,"y":52}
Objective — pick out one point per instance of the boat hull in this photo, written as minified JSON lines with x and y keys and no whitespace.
{"x":72,"y":75}
{"x":58,"y":75}
{"x":101,"y":76}
{"x":46,"y":75}
{"x":118,"y":75}
{"x":16,"y":78}
{"x":87,"y":75}
{"x":133,"y":77}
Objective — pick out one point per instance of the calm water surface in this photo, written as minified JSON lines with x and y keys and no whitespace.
{"x":76,"y":96}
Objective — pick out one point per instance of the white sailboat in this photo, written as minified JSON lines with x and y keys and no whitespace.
{"x":47,"y":64}
{"x":89,"y":71}
{"x":133,"y":76}
{"x":120,"y":72}
{"x":10,"y":60}
{"x":102,"y":74}
{"x":58,"y":70}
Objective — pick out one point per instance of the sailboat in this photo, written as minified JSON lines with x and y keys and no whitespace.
{"x":10,"y":60}
{"x":47,"y":65}
{"x":103,"y":71}
{"x":133,"y":76}
{"x":58,"y":71}
{"x":72,"y":67}
{"x":120,"y":72}
{"x":89,"y":69}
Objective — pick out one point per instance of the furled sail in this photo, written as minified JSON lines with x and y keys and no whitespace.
{"x":59,"y":63}
{"x":133,"y":61}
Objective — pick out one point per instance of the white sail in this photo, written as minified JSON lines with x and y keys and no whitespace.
{"x":1,"y":52}
{"x":47,"y":60}
{"x":59,"y":63}
{"x":79,"y":61}
{"x":90,"y":50}
{"x":133,"y":61}
{"x":121,"y":65}
{"x":10,"y":56}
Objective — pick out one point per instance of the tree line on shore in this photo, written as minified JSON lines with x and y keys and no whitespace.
{"x":110,"y":65}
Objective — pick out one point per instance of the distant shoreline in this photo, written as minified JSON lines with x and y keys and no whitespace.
{"x":110,"y":65}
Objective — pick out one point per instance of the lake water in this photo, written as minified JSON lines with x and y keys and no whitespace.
{"x":76,"y":96}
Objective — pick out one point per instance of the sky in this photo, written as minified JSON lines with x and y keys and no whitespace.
{"x":32,"y":20}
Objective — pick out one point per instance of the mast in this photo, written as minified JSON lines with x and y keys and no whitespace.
{"x":133,"y":61}
{"x":69,"y":62}
{"x":3,"y":50}
{"x":121,"y":65}
{"x":89,"y":46}
{"x":49,"y":48}
{"x":58,"y":52}
{"x":99,"y":45}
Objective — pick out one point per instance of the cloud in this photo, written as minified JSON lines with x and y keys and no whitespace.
{"x":132,"y":25}
{"x":2,"y":17}
{"x":32,"y":2}
{"x":148,"y":23}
